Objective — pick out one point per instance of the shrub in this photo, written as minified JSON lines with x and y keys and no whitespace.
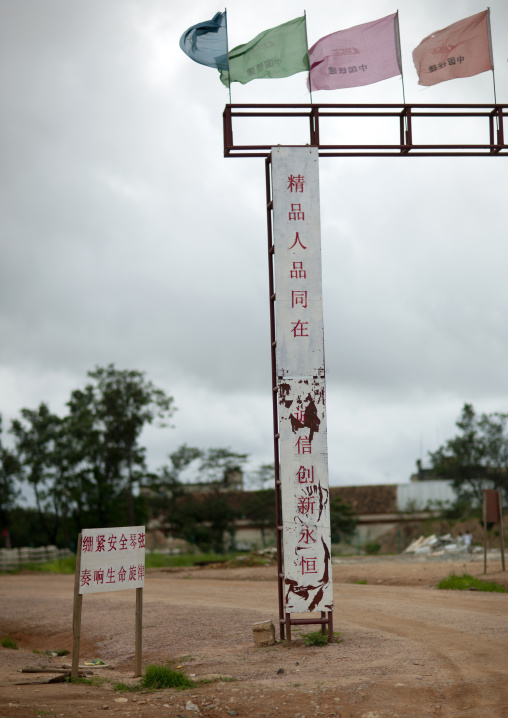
{"x":8,"y":642}
{"x":371,"y":547}
{"x":157,"y":677}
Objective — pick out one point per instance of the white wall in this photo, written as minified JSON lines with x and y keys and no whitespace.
{"x":417,"y":495}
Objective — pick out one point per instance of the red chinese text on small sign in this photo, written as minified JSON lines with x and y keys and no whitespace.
{"x":112,"y":559}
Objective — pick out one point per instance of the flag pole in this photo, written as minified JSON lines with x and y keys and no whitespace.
{"x":399,"y":58}
{"x":227,"y":53}
{"x":399,"y":54}
{"x":491,"y":55}
{"x":308,"y":58}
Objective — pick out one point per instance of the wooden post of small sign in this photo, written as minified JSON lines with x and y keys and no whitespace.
{"x":139,"y":632}
{"x":492,"y":513}
{"x":484,"y":516}
{"x":76,"y":614}
{"x":501,"y":534}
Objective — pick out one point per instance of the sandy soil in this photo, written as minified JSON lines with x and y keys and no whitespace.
{"x":406,"y":648}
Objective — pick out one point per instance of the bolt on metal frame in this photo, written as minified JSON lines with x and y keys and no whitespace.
{"x":405,"y":116}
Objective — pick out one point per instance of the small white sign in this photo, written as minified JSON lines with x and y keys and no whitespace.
{"x":112,"y":559}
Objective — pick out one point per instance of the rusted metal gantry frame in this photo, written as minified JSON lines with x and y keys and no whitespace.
{"x":405,"y":116}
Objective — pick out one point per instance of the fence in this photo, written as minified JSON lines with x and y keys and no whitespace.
{"x":11,"y":558}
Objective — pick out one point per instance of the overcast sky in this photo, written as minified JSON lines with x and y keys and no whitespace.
{"x":126,"y":237}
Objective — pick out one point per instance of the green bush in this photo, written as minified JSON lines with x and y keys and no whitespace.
{"x":8,"y":642}
{"x":371,"y":547}
{"x":468,"y":583}
{"x":157,"y":677}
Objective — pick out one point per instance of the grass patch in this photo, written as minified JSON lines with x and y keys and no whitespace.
{"x":219,"y":679}
{"x":249,"y":560}
{"x":8,"y":642}
{"x":65,"y":565}
{"x":125,"y":687}
{"x":468,"y":583}
{"x":94,"y":681}
{"x":157,"y":677}
{"x":316,"y":638}
{"x":363,"y":582}
{"x":164,"y":560}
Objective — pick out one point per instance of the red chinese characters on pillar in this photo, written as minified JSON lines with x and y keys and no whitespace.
{"x":300,"y":415}
{"x":304,"y":445}
{"x":305,"y":476}
{"x":299,"y":298}
{"x":295,"y":183}
{"x":296,"y":213}
{"x":307,"y":535}
{"x":306,"y":505}
{"x":298,"y":241}
{"x":301,"y":329}
{"x":308,"y":565}
{"x":298,"y":272}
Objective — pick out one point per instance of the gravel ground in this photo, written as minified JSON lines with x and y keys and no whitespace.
{"x":405,"y":648}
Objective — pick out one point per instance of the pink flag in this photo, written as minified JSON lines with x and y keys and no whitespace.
{"x":460,"y":50}
{"x":359,"y":56}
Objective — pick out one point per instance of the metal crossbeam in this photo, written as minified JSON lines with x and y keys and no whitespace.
{"x":407,"y":132}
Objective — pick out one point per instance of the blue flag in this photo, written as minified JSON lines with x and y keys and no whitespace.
{"x":207,"y":42}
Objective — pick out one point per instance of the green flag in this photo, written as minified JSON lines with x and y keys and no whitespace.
{"x":278,"y":52}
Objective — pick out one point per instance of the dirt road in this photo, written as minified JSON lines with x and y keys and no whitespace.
{"x":406,"y":648}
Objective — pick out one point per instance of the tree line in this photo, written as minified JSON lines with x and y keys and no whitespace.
{"x":88,"y":469}
{"x":477,"y":457}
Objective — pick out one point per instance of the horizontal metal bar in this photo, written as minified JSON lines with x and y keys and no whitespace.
{"x":497,"y":153}
{"x":364,"y":106}
{"x":304,"y":621}
{"x":305,"y":115}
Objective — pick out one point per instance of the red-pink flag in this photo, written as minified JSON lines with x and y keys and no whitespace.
{"x":358,"y":56}
{"x":459,"y":50}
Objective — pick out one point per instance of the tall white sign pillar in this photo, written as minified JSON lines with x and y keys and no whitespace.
{"x":301,"y":380}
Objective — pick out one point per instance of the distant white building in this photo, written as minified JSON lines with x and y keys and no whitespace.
{"x":424,"y":495}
